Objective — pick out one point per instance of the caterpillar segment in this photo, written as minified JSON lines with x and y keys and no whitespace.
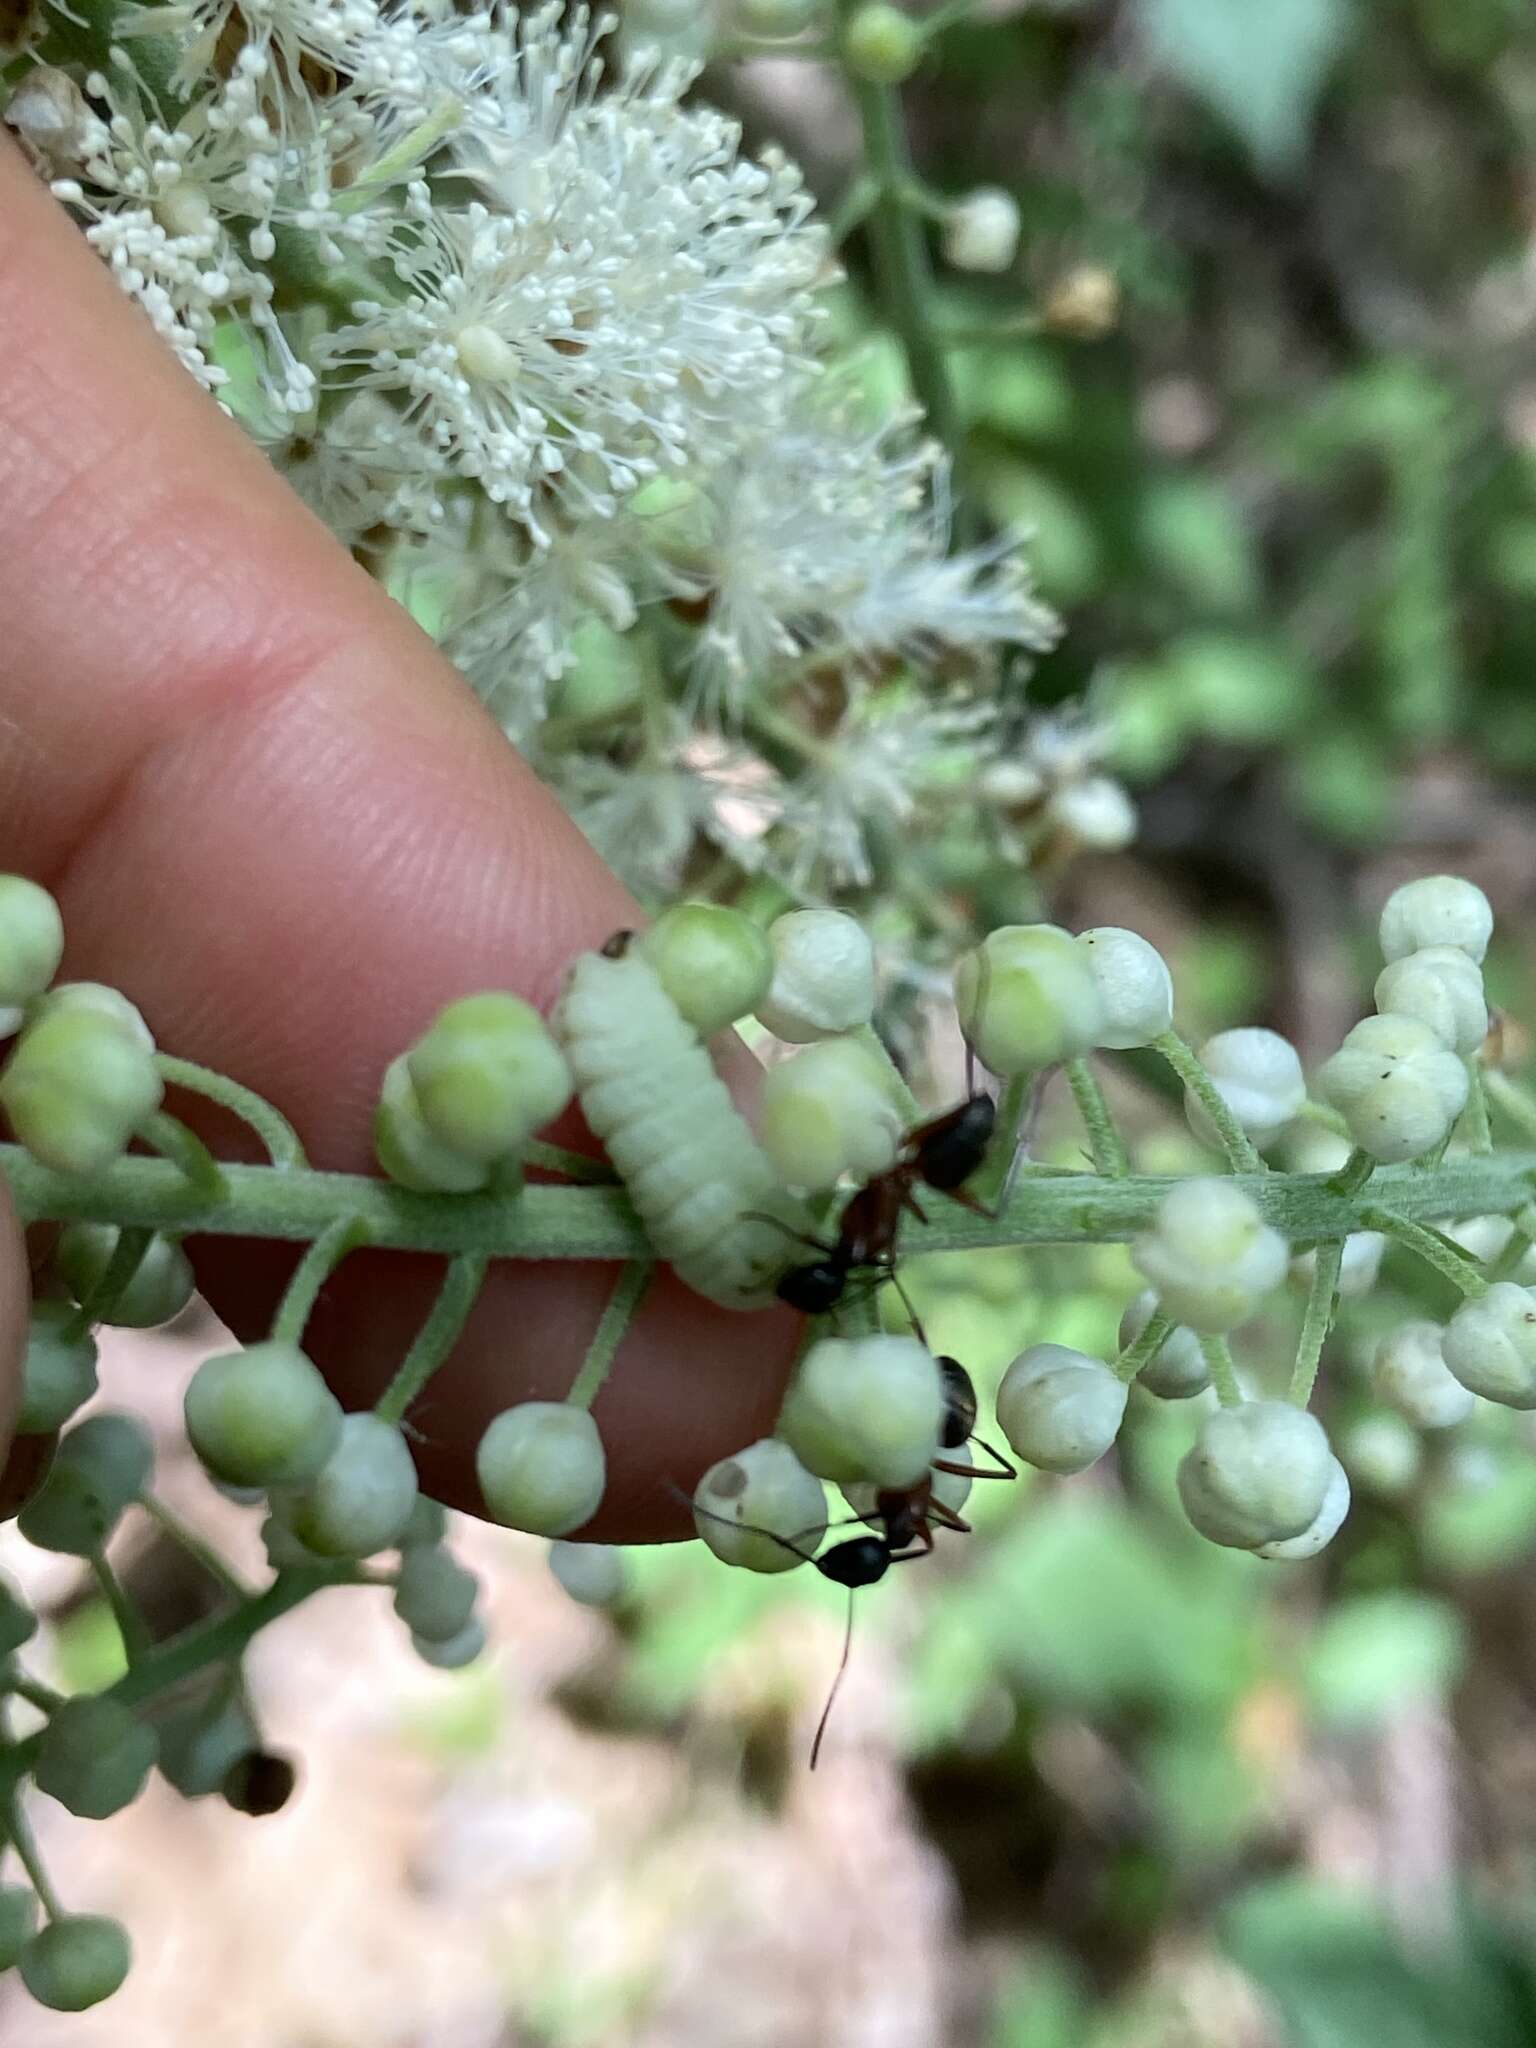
{"x":699,"y":1180}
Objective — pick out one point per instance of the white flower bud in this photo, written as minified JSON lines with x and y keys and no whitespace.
{"x":1323,"y":1527}
{"x":1134,"y":985}
{"x":1027,"y":998}
{"x":1256,"y":1474}
{"x":434,"y":1594}
{"x":1060,"y":1409}
{"x":823,"y":976}
{"x":1490,"y":1345}
{"x":1097,"y":812}
{"x":48,"y":112}
{"x":542,"y":1468}
{"x":760,"y":1509}
{"x":982,"y":231}
{"x":1178,"y":1369}
{"x":31,"y":937}
{"x":1359,"y":1264}
{"x":1410,"y":1374}
{"x":1442,"y":987}
{"x":829,"y":1111}
{"x":865,"y":1408}
{"x":76,"y":1961}
{"x":100,"y":1000}
{"x":1439,"y":910}
{"x":1382,"y":1455}
{"x":1258,"y":1076}
{"x":1210,"y":1256}
{"x":593,"y":1574}
{"x":1399,"y":1087}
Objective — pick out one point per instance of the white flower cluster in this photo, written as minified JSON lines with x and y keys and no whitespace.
{"x":548,"y":351}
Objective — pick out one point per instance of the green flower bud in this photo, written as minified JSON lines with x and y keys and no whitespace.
{"x":487,"y":1075}
{"x":881,"y":44}
{"x":1096,"y":811}
{"x":428,"y":1524}
{"x":1382,"y":1455}
{"x":31,"y":940}
{"x":1209,"y":1255}
{"x":59,"y":1374}
{"x":362,"y":1496}
{"x":1490,"y":1345}
{"x":746,"y":1501}
{"x":76,"y":1962}
{"x":263,"y":1416}
{"x":823,"y":976}
{"x":456,"y":1652}
{"x":18,"y":1922}
{"x":1439,"y":910}
{"x":1441,"y":987}
{"x":593,"y":1574}
{"x":18,"y":1625}
{"x":1399,"y":1088}
{"x":982,"y":232}
{"x":1256,"y":1474}
{"x":434,"y":1595}
{"x":96,"y":999}
{"x":827,"y":1112}
{"x":714,"y":963}
{"x":409,"y":1152}
{"x":102,"y":1465}
{"x":163,"y":1281}
{"x":76,"y":1088}
{"x":284,"y":1550}
{"x":93,"y":1756}
{"x":1323,"y":1527}
{"x":1060,"y":1409}
{"x":865,"y":1408}
{"x":1258,"y":1076}
{"x":1027,"y":998}
{"x":1359,"y":1264}
{"x":1134,"y":985}
{"x":1410,"y":1374}
{"x":1178,"y":1369}
{"x":542,"y":1467}
{"x":200,"y":1744}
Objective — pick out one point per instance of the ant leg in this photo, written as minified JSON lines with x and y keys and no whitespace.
{"x":1001,"y":1467}
{"x":946,"y":1518}
{"x":817,"y":1244}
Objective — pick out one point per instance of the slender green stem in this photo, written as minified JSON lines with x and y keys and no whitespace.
{"x":117,"y":1275}
{"x":436,"y":1337}
{"x":852,"y":210}
{"x":1436,"y":1250}
{"x":1323,"y":1113}
{"x":1135,"y":1357}
{"x":17,"y":1829}
{"x":1104,"y":1140}
{"x":903,"y":274}
{"x":1507,"y":1262}
{"x":1322,"y":1304}
{"x":1217,"y":1354}
{"x":187,"y":1538}
{"x":270,"y":1125}
{"x":549,"y":1222}
{"x":574,"y":1165}
{"x":130,"y":1623}
{"x":1510,"y":1098}
{"x":1235,"y":1141}
{"x":1354,"y":1173}
{"x":173,"y":1140}
{"x":867,"y":1036}
{"x":341,"y":1236}
{"x":616,"y":1318}
{"x":1475,"y":1123}
{"x":44,"y":1697}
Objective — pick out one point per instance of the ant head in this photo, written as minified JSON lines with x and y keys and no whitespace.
{"x":959,"y":1404}
{"x":858,"y":1562}
{"x":813,"y":1289}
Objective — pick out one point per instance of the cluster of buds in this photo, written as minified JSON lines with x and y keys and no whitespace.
{"x":815,"y":1206}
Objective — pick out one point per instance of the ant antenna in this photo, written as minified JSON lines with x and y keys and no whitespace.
{"x":836,"y":1686}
